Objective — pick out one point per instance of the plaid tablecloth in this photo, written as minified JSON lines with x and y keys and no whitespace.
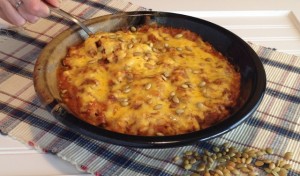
{"x":276,"y":123}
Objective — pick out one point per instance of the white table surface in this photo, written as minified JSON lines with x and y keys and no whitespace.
{"x":270,"y":23}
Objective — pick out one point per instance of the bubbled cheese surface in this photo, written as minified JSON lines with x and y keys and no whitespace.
{"x":150,"y":81}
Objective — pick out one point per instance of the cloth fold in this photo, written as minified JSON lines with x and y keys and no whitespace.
{"x":275,"y":123}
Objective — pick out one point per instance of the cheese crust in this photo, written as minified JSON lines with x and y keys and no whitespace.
{"x":150,"y":81}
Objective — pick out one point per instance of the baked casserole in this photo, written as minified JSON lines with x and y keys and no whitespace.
{"x":148,"y":81}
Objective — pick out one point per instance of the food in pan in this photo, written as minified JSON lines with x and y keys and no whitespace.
{"x":148,"y":81}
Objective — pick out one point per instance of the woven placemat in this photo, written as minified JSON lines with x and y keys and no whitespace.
{"x":275,"y":123}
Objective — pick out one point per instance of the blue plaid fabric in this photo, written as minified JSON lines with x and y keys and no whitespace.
{"x":275,"y":124}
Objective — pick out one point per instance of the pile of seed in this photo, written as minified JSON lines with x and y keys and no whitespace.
{"x":226,"y":160}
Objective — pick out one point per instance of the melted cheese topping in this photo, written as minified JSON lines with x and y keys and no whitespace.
{"x":153,"y":81}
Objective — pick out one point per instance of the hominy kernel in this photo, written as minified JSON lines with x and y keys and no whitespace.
{"x":123,"y":99}
{"x":281,"y":163}
{"x":245,"y":170}
{"x":219,"y":172}
{"x":158,"y":107}
{"x":208,"y":59}
{"x":179,"y":49}
{"x":196,"y":71}
{"x":240,"y":165}
{"x":259,"y":163}
{"x":207,"y":174}
{"x":112,"y":36}
{"x":129,"y":46}
{"x":175,"y":99}
{"x":195,"y":174}
{"x":121,"y":39}
{"x":146,"y":58}
{"x":187,"y":166}
{"x":124,"y":103}
{"x":193,"y":160}
{"x":277,"y":169}
{"x":287,"y":166}
{"x":269,"y":150}
{"x":243,"y":160}
{"x":150,"y":66}
{"x":227,"y":157}
{"x":206,"y":152}
{"x":288,"y":155}
{"x":209,"y":165}
{"x":219,"y":155}
{"x":245,"y":155}
{"x":260,"y":153}
{"x":267,"y":161}
{"x":64,"y":91}
{"x":127,"y":90}
{"x":268,"y":170}
{"x":178,"y":36}
{"x":188,"y":48}
{"x":185,"y":86}
{"x":186,"y":161}
{"x":196,"y":153}
{"x":252,"y":155}
{"x":226,"y":145}
{"x":172,"y":94}
{"x":216,"y":149}
{"x":149,"y":101}
{"x":166,"y":74}
{"x":137,"y":54}
{"x":222,"y":160}
{"x":271,"y":166}
{"x":246,"y":150}
{"x":253,"y":173}
{"x":159,"y":134}
{"x":233,"y":159}
{"x":214,"y":156}
{"x":250,"y":167}
{"x":150,"y":44}
{"x":188,"y":153}
{"x":274,"y":173}
{"x":238,"y":154}
{"x":226,"y":149}
{"x":201,"y":167}
{"x":202,"y":84}
{"x":210,"y":160}
{"x":176,"y":158}
{"x":155,"y":50}
{"x":249,"y":160}
{"x":220,"y":167}
{"x":204,"y":158}
{"x":239,"y":160}
{"x":230,"y":163}
{"x":219,"y":163}
{"x":230,"y":168}
{"x":164,"y":77}
{"x":231,"y":154}
{"x":235,"y":172}
{"x":148,"y":54}
{"x":283,"y":172}
{"x":133,"y":29}
{"x":148,"y":86}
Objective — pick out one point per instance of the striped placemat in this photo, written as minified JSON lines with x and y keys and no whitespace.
{"x":275,"y":124}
